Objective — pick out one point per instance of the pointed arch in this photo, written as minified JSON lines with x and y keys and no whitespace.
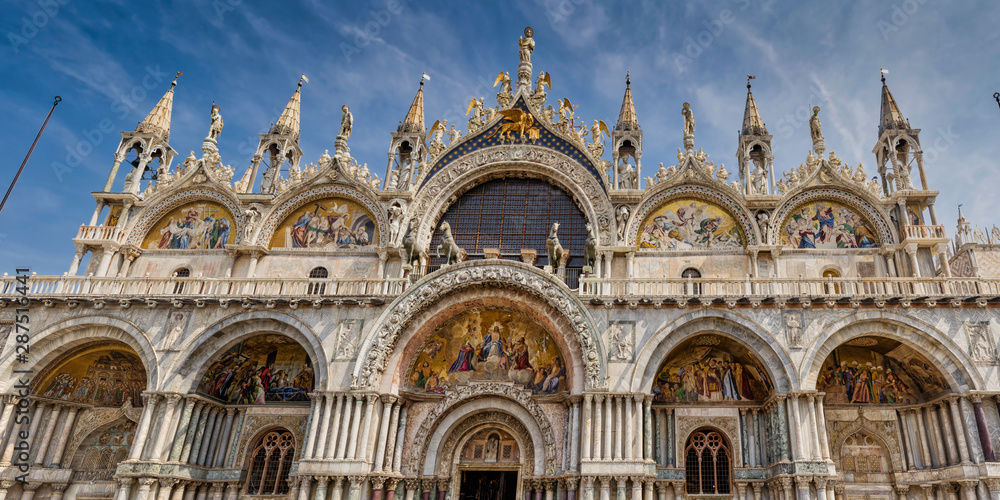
{"x":291,"y":200}
{"x":661,"y":195}
{"x":858,"y":199}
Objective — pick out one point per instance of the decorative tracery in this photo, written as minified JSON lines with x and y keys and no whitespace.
{"x":270,"y":464}
{"x":708,"y":463}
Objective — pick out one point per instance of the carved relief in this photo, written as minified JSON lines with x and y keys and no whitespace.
{"x":885,"y":430}
{"x":499,"y":419}
{"x":471,"y":274}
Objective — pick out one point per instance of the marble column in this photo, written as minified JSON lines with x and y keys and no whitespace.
{"x":948,"y":436}
{"x":370,"y":416}
{"x":208,"y":435}
{"x":608,"y":430}
{"x":661,"y":490}
{"x":337,"y":488}
{"x":619,"y":428}
{"x":145,"y":484}
{"x":380,"y":446}
{"x":908,"y":451}
{"x":9,"y":403}
{"x":647,"y":429}
{"x":620,"y":487}
{"x":956,"y":417}
{"x":598,"y":427}
{"x":58,"y":490}
{"x":124,"y":488}
{"x":50,"y":426}
{"x":588,"y":487}
{"x":786,"y":487}
{"x":166,"y":420}
{"x":232,"y":490}
{"x":355,"y":429}
{"x":802,"y":484}
{"x":792,"y":408}
{"x":969,"y":489}
{"x":813,"y":427}
{"x":354,"y":492}
{"x":182,"y":430}
{"x":305,"y":487}
{"x":345,"y":427}
{"x":410,"y":487}
{"x":934,"y":433}
{"x":443,"y":489}
{"x":334,"y":423}
{"x":648,"y":490}
{"x":390,"y":488}
{"x":824,"y":438}
{"x":994,"y":485}
{"x":636,"y":488}
{"x":397,"y":456}
{"x":588,"y":422}
{"x":628,"y":414}
{"x":741,"y":490}
{"x":64,"y":434}
{"x":984,"y":432}
{"x":178,"y":492}
{"x":324,"y":425}
{"x":199,"y":435}
{"x":321,"y":482}
{"x":605,"y":487}
{"x":925,"y":449}
{"x":163,"y":493}
{"x":678,"y":490}
{"x":225,"y":438}
{"x":757,"y":487}
{"x":574,"y":439}
{"x":570,"y":487}
{"x":820,"y":487}
{"x":391,"y":437}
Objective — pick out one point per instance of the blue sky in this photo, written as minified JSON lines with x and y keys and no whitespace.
{"x":111,"y":61}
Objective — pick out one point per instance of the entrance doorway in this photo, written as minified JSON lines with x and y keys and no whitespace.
{"x":488,"y":485}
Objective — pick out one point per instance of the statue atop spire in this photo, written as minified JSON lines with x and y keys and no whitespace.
{"x":526,"y":45}
{"x":688,"y":127}
{"x":816,"y":132}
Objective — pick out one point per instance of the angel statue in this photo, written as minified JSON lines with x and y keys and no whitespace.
{"x":688,"y":120}
{"x":596,"y":130}
{"x":436,"y":136}
{"x":565,"y":113}
{"x":216,"y":128}
{"x":539,"y":95}
{"x":453,"y":135}
{"x":503,"y":79}
{"x":346,"y":123}
{"x":476,"y":120}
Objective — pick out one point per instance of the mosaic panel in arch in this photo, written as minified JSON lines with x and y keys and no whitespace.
{"x":100,"y":375}
{"x":875,"y":370}
{"x":827,"y":224}
{"x":688,"y":223}
{"x":264,"y":369}
{"x":326,"y":223}
{"x":105,"y":449}
{"x":488,"y":343}
{"x":201,"y":225}
{"x":710,"y":369}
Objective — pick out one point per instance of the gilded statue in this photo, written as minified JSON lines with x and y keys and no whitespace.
{"x":526,"y":45}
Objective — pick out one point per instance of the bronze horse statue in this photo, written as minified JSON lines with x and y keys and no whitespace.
{"x":453,"y":254}
{"x":410,"y":252}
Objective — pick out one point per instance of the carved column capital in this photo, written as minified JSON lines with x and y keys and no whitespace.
{"x":993,"y":484}
{"x":570,"y":483}
{"x":356,"y":481}
{"x":587,"y":481}
{"x":388,"y":399}
{"x":821,"y":482}
{"x":378,"y":482}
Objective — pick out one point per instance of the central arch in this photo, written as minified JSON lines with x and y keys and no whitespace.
{"x":444,"y":285}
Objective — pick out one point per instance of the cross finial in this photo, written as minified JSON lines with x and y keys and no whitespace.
{"x":174,"y":83}
{"x":628,"y":81}
{"x":303,"y":79}
{"x":883,"y":71}
{"x":750,"y":77}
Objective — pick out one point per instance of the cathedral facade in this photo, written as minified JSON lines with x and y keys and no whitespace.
{"x":523,"y":309}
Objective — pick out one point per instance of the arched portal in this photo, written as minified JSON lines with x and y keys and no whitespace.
{"x":261,"y":369}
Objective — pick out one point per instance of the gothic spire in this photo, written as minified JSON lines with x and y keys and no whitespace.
{"x":414,"y":121}
{"x":752,"y":123}
{"x":891,"y":117}
{"x":157,"y":122}
{"x":288,"y":122}
{"x":627,"y":119}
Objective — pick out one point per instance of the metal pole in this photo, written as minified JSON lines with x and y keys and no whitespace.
{"x":25,"y":162}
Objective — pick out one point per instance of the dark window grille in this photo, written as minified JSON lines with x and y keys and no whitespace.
{"x":271,"y":462}
{"x":181,"y":273}
{"x":707,"y":464}
{"x":693,"y":274}
{"x":318,"y":273}
{"x":511,"y":214}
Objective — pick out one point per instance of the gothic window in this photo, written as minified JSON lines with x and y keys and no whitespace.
{"x":318,"y":273}
{"x":181,"y":273}
{"x":270,"y":463}
{"x":491,"y":446}
{"x":708,"y":463}
{"x":511,"y":214}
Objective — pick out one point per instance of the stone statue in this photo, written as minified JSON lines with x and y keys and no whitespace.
{"x":453,"y":135}
{"x":621,"y":339}
{"x":590,"y":247}
{"x":410,"y":252}
{"x":249,"y":218}
{"x":688,"y":120}
{"x":526,"y":45}
{"x":793,"y":325}
{"x":764,"y":221}
{"x":452,"y":252}
{"x":346,"y":123}
{"x":981,"y":343}
{"x":626,"y":175}
{"x":661,"y":174}
{"x":758,"y":180}
{"x":267,"y":183}
{"x":395,"y":221}
{"x":215,"y":130}
{"x":621,"y":219}
{"x":815,"y":129}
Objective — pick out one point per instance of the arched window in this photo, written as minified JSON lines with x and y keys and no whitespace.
{"x":270,"y":462}
{"x":692,"y":273}
{"x":707,"y":463}
{"x":181,"y":273}
{"x":831,"y":287}
{"x":318,"y":273}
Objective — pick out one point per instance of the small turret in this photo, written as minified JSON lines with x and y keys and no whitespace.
{"x":754,"y":150}
{"x":626,"y":139}
{"x":408,"y":147}
{"x":898,"y":147}
{"x":278,"y":146}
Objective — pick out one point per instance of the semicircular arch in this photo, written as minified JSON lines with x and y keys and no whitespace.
{"x":950,"y":360}
{"x":659,"y":344}
{"x":664,"y":195}
{"x":59,"y":338}
{"x":294,"y":200}
{"x":380,"y":343}
{"x":856,"y":199}
{"x":196,"y":354}
{"x":474,"y":168}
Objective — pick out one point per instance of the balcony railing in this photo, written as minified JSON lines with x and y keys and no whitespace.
{"x":311,"y":289}
{"x":924,"y":233}
{"x":101,"y":233}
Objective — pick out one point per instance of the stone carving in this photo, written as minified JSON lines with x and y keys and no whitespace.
{"x":627,"y":178}
{"x":91,"y":419}
{"x":688,"y":120}
{"x":346,"y":123}
{"x":452,"y":252}
{"x":816,"y":131}
{"x":215,"y":129}
{"x":621,"y":221}
{"x":885,"y":430}
{"x":764,"y":222}
{"x":253,"y":425}
{"x":396,"y":214}
{"x":347,"y":338}
{"x":553,"y":250}
{"x":590,"y":247}
{"x":497,"y":418}
{"x":793,"y":328}
{"x":249,"y":218}
{"x":729,"y":426}
{"x":621,"y":339}
{"x":478,"y":273}
{"x":409,"y":251}
{"x":455,"y":399}
{"x":981,"y":346}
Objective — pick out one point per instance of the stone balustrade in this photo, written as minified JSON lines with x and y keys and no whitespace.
{"x":100,"y":234}
{"x":924,"y":233}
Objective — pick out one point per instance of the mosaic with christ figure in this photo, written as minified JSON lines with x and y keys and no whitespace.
{"x":263,"y":369}
{"x":711,"y":369}
{"x":327,"y":223}
{"x":687,"y":223}
{"x":827,"y":224}
{"x":488,"y":343}
{"x":200,"y":225}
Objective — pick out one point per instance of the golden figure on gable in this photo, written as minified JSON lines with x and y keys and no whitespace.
{"x":827,"y":224}
{"x":104,"y":376}
{"x":488,"y":343}
{"x":686,"y":223}
{"x":327,"y":223}
{"x":874,"y":370}
{"x":711,"y":369}
{"x":200,"y":225}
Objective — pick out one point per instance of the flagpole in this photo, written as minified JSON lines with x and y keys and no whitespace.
{"x":32,"y":148}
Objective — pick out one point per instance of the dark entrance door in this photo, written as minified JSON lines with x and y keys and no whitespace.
{"x":488,"y":485}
